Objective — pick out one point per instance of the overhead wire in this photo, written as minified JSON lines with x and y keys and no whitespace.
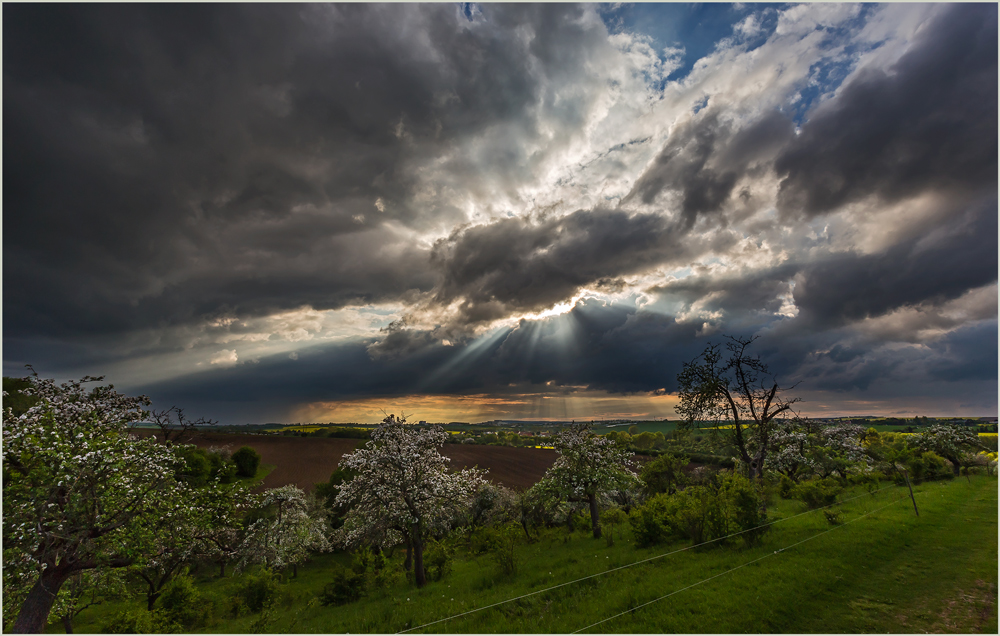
{"x":640,"y":562}
{"x":898,"y":499}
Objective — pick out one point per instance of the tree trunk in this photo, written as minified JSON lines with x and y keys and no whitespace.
{"x":151,"y":600}
{"x":408,"y":563}
{"x":67,"y":622}
{"x":595,"y":520}
{"x":295,"y":570}
{"x":524,"y":525}
{"x":418,"y":561}
{"x":956,"y":465}
{"x":34,"y":612}
{"x":222,"y":569}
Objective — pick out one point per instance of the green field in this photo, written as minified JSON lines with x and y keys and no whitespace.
{"x":881,"y":569}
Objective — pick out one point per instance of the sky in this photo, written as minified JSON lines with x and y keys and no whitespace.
{"x":464,"y":212}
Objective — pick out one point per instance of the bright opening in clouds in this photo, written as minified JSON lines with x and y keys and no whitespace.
{"x":470,"y":212}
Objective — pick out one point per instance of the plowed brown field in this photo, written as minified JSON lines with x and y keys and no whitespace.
{"x":305,"y":461}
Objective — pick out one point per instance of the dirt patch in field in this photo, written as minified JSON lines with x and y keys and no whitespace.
{"x":969,"y":607}
{"x":518,"y":468}
{"x":306,"y":461}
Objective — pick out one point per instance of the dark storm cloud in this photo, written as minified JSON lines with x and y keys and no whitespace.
{"x":936,"y":267}
{"x":609,"y":347}
{"x":167,"y":166}
{"x":739,"y":293}
{"x":705,"y":158}
{"x":518,"y":264}
{"x":164,"y":163}
{"x":928,"y":123}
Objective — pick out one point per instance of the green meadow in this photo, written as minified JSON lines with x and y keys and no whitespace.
{"x":870,"y":565}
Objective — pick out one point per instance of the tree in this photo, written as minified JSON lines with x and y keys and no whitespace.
{"x":587,"y":466}
{"x":86,"y":589}
{"x":175,"y":427}
{"x":800,"y":448}
{"x":403,"y":490}
{"x":951,"y":441}
{"x":286,"y":532}
{"x":247,"y":460}
{"x":79,"y":492}
{"x":213,"y":513}
{"x":738,"y":391}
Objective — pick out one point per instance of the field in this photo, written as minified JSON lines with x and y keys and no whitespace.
{"x":880,"y":568}
{"x":306,"y":461}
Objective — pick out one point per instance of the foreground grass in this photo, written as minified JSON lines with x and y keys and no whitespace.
{"x":882,"y":569}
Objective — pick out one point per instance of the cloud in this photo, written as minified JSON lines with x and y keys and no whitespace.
{"x":224,"y":357}
{"x":384,"y":200}
{"x":927,"y":122}
{"x":938,"y":266}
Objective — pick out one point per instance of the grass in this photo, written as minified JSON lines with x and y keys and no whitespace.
{"x":883,"y":569}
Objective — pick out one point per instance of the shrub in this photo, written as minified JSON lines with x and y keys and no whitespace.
{"x":437,"y":560}
{"x":256,"y":591}
{"x":610,"y":519}
{"x":182,"y":603}
{"x":785,"y":487}
{"x":744,"y":510}
{"x":927,"y":465}
{"x":817,"y":493}
{"x":726,"y":505}
{"x":347,"y":586}
{"x":140,"y":621}
{"x":503,"y":548}
{"x":649,"y":521}
{"x":376,"y":569}
{"x":134,"y":621}
{"x":196,"y":468}
{"x":247,"y":460}
{"x":664,"y":474}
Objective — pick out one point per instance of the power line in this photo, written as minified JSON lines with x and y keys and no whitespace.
{"x":628,"y":565}
{"x":737,"y":567}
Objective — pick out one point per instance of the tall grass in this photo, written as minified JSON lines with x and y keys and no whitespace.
{"x":888,"y":571}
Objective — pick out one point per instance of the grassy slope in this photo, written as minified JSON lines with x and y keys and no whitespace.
{"x":886,"y":572}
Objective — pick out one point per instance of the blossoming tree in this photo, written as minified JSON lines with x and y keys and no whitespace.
{"x":402,"y":490}
{"x":587,"y":465}
{"x":287,"y":534}
{"x":79,"y":492}
{"x":954,"y":442}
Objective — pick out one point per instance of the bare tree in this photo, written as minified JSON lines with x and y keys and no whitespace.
{"x":739,"y":391}
{"x":176,"y":428}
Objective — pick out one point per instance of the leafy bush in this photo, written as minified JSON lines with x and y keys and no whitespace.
{"x":817,"y":493}
{"x":133,"y":621}
{"x":140,"y":621}
{"x":785,"y":487}
{"x":503,"y":548}
{"x":376,"y":569}
{"x":255,"y":592}
{"x":743,"y":508}
{"x":724,"y":506}
{"x":869,"y":480}
{"x":926,"y":465}
{"x":610,"y":519}
{"x":347,"y":586}
{"x":247,"y":460}
{"x":437,"y":560}
{"x":650,"y":523}
{"x":664,"y":474}
{"x":182,"y":603}
{"x":197,"y":467}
